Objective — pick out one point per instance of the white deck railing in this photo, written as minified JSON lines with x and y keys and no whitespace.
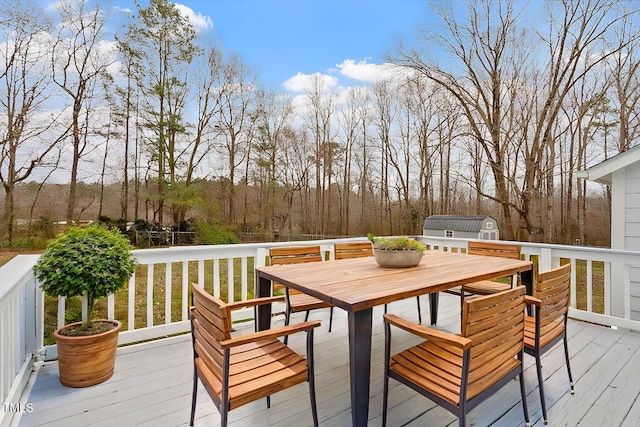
{"x":20,"y":330}
{"x":22,"y":301}
{"x":616,"y":281}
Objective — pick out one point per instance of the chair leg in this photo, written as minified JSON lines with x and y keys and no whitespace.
{"x":566,"y":356}
{"x":419,"y":311}
{"x":268,"y":402}
{"x":543,"y":402}
{"x":385,"y":309}
{"x":330,"y":318}
{"x":385,"y":386}
{"x":523,"y":394}
{"x":287,"y":318}
{"x":194,"y":396}
{"x":224,"y":414}
{"x":306,"y":316}
{"x":311,"y":377}
{"x":314,"y":406}
{"x":385,"y":398}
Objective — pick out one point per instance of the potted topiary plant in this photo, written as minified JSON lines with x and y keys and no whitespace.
{"x":398,"y":252}
{"x":92,"y":261}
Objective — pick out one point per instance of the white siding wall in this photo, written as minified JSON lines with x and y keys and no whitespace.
{"x":632,"y":230}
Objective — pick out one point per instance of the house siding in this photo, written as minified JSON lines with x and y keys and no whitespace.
{"x":622,"y":174}
{"x":632,"y":231}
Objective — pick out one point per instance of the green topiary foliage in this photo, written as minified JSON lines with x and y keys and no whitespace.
{"x":95,"y":261}
{"x":396,"y":243}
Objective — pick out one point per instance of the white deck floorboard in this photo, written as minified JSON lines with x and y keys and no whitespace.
{"x":152,"y":384}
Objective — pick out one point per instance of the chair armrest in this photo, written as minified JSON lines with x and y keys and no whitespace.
{"x":254,"y":302}
{"x":269,"y":334}
{"x":528,"y":299}
{"x":427,"y":333}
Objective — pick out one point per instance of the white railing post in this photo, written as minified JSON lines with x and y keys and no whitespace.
{"x":167,"y":293}
{"x":618,"y":293}
{"x":607,"y":289}
{"x":185,"y":291}
{"x":545,"y":261}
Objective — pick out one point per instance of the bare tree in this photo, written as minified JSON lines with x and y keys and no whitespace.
{"x":351,"y":119}
{"x":79,"y":61}
{"x":383,"y":118}
{"x":574,"y":42}
{"x":489,"y":47}
{"x":481,"y":44}
{"x":624,"y":69}
{"x":274,"y":120}
{"x":234,"y":82}
{"x":320,"y":101}
{"x":364,"y":158}
{"x":402,"y":153}
{"x":27,"y":137}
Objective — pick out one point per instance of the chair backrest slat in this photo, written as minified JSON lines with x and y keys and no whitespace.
{"x":552,"y":288}
{"x":294,"y":254}
{"x":505,"y":250}
{"x":211,"y":321}
{"x":495,"y":324}
{"x":352,"y":250}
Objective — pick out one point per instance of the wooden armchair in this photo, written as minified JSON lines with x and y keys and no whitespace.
{"x":548,"y":325}
{"x":488,"y":287}
{"x":458,"y":372}
{"x":297,"y":301}
{"x":239,"y":370}
{"x":352,"y":250}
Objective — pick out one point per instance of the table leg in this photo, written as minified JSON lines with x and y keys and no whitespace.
{"x":527,"y":280}
{"x":264,"y":310}
{"x":360,"y":364}
{"x":526,"y":277}
{"x":433,"y":307}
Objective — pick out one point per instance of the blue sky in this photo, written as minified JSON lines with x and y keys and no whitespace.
{"x":281,"y":38}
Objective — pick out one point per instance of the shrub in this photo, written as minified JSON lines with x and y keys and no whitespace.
{"x":92,"y":261}
{"x":215,"y":235}
{"x":396,"y":243}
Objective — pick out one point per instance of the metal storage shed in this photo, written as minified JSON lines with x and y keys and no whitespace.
{"x":463,"y":226}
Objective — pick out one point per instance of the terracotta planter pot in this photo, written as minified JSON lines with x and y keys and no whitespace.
{"x":397,"y":258}
{"x":86,"y":361}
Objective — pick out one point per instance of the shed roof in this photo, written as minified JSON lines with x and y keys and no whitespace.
{"x":602,"y":171}
{"x":470,"y":223}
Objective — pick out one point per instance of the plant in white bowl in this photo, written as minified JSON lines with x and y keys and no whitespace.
{"x":397,"y":252}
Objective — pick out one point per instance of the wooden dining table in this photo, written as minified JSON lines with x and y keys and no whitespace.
{"x":359,"y":284}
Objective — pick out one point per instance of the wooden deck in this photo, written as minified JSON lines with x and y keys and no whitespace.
{"x":152,"y":384}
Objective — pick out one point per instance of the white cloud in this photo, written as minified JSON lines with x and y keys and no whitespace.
{"x":125,"y":10}
{"x":199,"y":22}
{"x":304,"y":82}
{"x":365,"y":72}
